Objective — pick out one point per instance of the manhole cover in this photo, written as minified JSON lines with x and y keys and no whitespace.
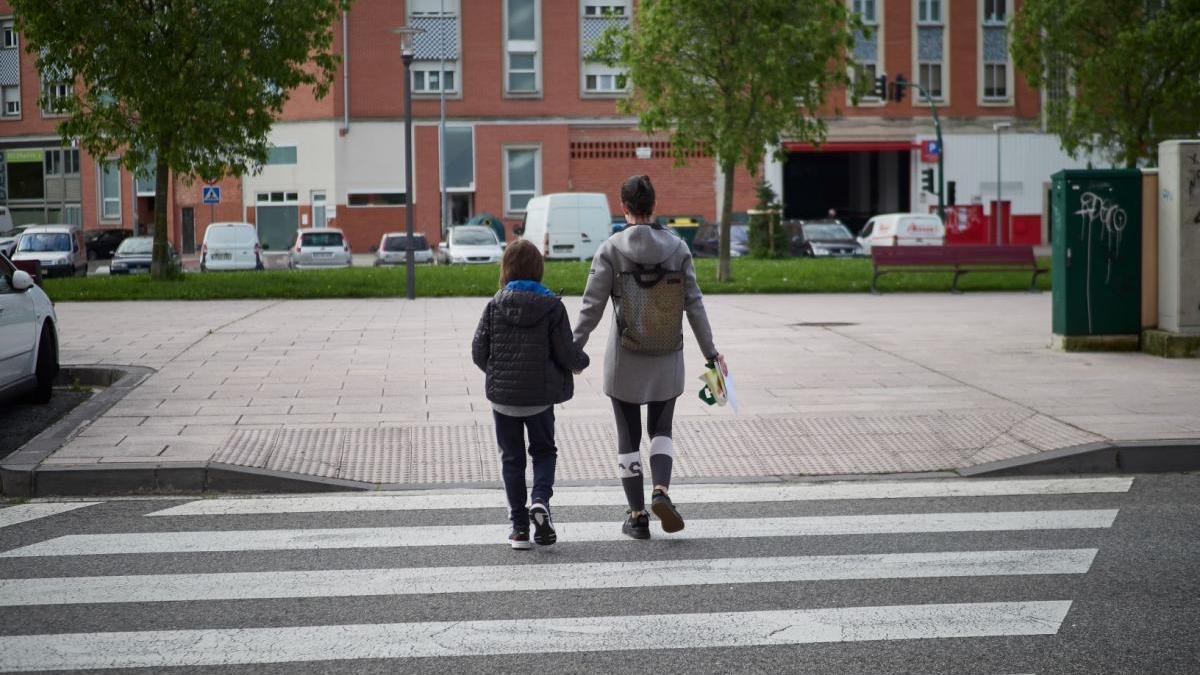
{"x":822,"y":324}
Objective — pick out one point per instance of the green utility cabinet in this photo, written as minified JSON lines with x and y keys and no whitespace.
{"x":1097,"y":243}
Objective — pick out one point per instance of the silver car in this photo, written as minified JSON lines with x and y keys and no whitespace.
{"x":320,"y":248}
{"x":393,"y":249}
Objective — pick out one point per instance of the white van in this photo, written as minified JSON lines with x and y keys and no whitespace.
{"x":230,"y":246}
{"x":59,"y":248}
{"x":568,"y":225}
{"x":902,"y":229}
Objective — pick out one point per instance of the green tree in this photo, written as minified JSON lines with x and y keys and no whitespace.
{"x":765,"y":222}
{"x":192,"y":86}
{"x":1124,"y":71}
{"x":732,"y":77}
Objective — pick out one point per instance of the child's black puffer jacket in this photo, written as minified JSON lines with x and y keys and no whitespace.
{"x":524,"y":345}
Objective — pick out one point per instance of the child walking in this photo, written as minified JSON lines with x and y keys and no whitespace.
{"x":525,"y":347}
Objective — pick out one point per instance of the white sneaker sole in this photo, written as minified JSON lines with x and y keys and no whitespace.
{"x":520,"y":545}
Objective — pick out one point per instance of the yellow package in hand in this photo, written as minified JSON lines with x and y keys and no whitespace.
{"x":713,"y":391}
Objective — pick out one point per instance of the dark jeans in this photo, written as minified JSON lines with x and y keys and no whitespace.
{"x":510,"y":434}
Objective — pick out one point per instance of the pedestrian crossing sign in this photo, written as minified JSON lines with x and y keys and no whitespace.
{"x":211,"y":194}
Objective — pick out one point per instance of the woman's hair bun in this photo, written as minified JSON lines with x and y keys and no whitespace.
{"x":637,"y":195}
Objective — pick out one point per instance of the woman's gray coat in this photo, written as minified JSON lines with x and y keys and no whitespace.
{"x":630,"y":376}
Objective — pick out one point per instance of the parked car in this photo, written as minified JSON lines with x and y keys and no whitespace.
{"x":28,"y":336}
{"x":393,"y":249}
{"x":102,"y":244}
{"x":9,"y":237}
{"x":707,"y":241}
{"x":135,"y":254}
{"x":320,"y":248}
{"x":902,"y":229}
{"x":59,"y":248}
{"x":230,"y":246}
{"x":618,"y":223}
{"x":568,"y":225}
{"x":473,"y":244}
{"x":822,"y":238}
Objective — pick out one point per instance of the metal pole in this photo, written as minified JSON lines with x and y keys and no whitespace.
{"x":937,"y":127}
{"x":999,"y":189}
{"x":409,"y":261}
{"x":442,"y":129}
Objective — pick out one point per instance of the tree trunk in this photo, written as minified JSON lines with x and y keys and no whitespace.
{"x":724,"y":273}
{"x":160,"y":264}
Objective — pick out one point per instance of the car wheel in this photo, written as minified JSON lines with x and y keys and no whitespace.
{"x":47,"y":367}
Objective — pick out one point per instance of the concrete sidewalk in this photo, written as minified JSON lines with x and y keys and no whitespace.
{"x":383,"y":391}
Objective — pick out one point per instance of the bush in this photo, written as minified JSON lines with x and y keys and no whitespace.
{"x":766,"y":210}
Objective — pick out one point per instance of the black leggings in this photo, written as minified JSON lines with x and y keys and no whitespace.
{"x":629,"y":438}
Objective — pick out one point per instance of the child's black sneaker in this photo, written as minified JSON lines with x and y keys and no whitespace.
{"x":519,"y":539}
{"x":666,"y":512}
{"x":543,"y":527}
{"x":637,"y":526}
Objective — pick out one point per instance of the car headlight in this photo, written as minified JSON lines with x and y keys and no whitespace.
{"x":62,"y":261}
{"x":820,"y":250}
{"x":458,"y":258}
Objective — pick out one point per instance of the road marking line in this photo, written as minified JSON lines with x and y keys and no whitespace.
{"x":693,"y":494}
{"x":438,"y":535}
{"x":160,"y":649}
{"x":23,"y":513}
{"x":510,"y":578}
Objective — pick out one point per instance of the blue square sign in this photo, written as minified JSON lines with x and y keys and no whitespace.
{"x":211,"y":194}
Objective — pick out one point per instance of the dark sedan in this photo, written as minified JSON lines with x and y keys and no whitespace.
{"x":103,"y":243}
{"x":824,"y":238}
{"x":134,"y":256}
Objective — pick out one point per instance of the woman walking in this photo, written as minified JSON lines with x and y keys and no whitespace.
{"x":648,"y":273}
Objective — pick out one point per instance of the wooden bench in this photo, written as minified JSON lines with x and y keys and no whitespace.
{"x":957,"y":259}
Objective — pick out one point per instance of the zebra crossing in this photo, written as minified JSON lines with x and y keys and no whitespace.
{"x":453,"y":589}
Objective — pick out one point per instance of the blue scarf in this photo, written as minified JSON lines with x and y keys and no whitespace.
{"x":527,"y":286}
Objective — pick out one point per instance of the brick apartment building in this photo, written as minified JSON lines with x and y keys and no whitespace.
{"x":526,"y":114}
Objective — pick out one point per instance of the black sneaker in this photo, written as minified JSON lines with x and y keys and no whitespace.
{"x":519,"y":539}
{"x":667,"y":514}
{"x":637,"y":527}
{"x":543,"y":527}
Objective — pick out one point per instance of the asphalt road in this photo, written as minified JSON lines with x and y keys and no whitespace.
{"x":1025,"y":576}
{"x":20,"y":422}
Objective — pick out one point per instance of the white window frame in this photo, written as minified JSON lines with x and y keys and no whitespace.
{"x":619,"y":8}
{"x":523,"y":47}
{"x":600,"y":5}
{"x":537,"y":175}
{"x":12,"y":106}
{"x":317,"y":200}
{"x":876,"y":23}
{"x":9,"y":27}
{"x":941,"y":20}
{"x":106,"y":200}
{"x":435,"y":8}
{"x":295,"y":150}
{"x":598,"y":71}
{"x":427,"y":67}
{"x":53,"y":91}
{"x":917,"y":100}
{"x":981,"y":72}
{"x":276,"y":198}
{"x":474,"y":166}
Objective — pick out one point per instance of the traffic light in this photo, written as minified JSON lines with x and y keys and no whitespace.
{"x":927,"y":181}
{"x":950,"y":193}
{"x":881,"y":87}
{"x":898,"y":88}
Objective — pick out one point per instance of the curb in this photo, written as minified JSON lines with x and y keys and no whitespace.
{"x":1165,"y":456}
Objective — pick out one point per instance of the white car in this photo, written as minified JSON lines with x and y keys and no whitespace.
{"x":59,"y":249}
{"x":230,"y":246}
{"x":320,"y":248}
{"x":393,"y":249}
{"x":28,"y":336}
{"x":470,"y":244}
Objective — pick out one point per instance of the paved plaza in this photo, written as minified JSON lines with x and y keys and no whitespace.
{"x":383,"y":391}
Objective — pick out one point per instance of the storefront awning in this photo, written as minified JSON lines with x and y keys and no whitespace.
{"x":853,"y":146}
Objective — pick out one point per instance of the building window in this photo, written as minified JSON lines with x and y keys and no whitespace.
{"x":995,"y":50}
{"x":372,"y":199}
{"x":110,"y":190}
{"x":435,"y":51}
{"x":522,"y":171}
{"x":460,"y":159}
{"x":866,"y":47}
{"x":10,"y":34}
{"x":931,"y":49}
{"x":57,"y":88}
{"x":430,"y":78}
{"x":597,"y":17}
{"x":521,"y":46}
{"x":12,"y":101}
{"x":279,"y":155}
{"x":61,"y":162}
{"x":318,"y":209}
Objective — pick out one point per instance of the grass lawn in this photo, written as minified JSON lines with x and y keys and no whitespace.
{"x":797,"y":275}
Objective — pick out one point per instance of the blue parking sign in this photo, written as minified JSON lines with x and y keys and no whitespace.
{"x":211,"y":194}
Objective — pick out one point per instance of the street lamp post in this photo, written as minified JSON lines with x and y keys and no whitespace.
{"x":999,"y":186}
{"x":407,"y":34}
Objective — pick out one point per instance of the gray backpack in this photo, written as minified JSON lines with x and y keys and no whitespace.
{"x":649,"y":302}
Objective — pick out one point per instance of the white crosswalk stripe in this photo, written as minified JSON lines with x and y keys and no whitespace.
{"x":479,"y":638}
{"x":23,"y":513}
{"x":469,"y":535}
{"x":691,"y":494}
{"x":260,"y":562}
